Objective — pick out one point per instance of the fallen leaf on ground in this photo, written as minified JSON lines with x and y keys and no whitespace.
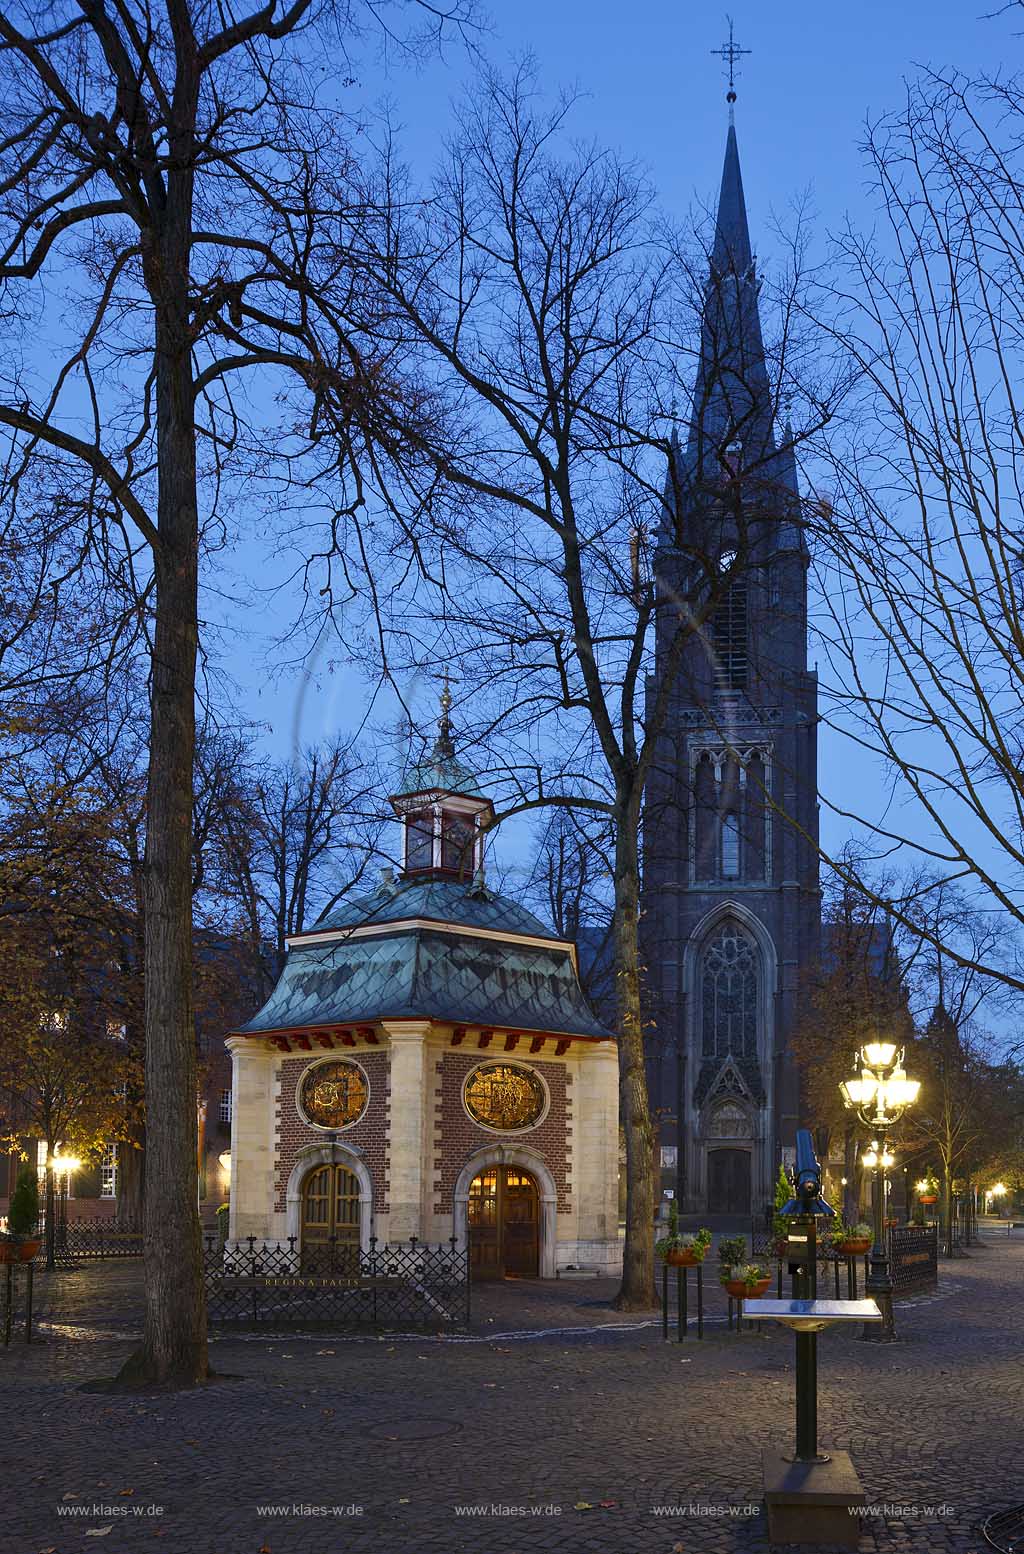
{"x":607,"y":1505}
{"x":326,"y":1351}
{"x":583,"y":1505}
{"x":99,"y":1532}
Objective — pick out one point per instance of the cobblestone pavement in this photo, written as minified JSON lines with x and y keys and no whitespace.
{"x":564,"y":1424}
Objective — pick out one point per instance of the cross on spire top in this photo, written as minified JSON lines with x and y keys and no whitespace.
{"x":730,"y":52}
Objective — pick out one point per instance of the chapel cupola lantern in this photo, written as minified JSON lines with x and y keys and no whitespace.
{"x":443,"y":814}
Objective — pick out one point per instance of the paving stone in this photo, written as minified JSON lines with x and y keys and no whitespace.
{"x":553,"y":1400}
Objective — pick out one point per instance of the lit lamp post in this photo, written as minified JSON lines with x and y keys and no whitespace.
{"x":998,"y":1191}
{"x":879,"y":1097}
{"x":62,"y":1166}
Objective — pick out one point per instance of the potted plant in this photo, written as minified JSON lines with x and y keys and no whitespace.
{"x":20,"y":1245}
{"x":853,"y":1240}
{"x":746,"y":1283}
{"x":931,"y":1188}
{"x":732,"y":1253}
{"x":682,"y":1251}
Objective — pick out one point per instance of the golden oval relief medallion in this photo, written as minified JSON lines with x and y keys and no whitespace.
{"x":334,"y":1094}
{"x":504,"y":1097}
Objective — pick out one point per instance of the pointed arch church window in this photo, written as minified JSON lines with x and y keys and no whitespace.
{"x":730,"y":847}
{"x":729,"y":994}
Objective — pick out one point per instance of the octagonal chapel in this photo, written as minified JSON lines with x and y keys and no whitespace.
{"x":428,"y":1066}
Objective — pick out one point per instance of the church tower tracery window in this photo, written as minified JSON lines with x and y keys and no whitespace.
{"x":729,"y":968}
{"x":730,"y":816}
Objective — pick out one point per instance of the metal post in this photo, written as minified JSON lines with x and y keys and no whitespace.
{"x":878,"y":1285}
{"x":700,"y":1300}
{"x":9,"y":1283}
{"x":806,"y":1288}
{"x":664,"y":1301}
{"x":684,"y":1303}
{"x":29,"y":1275}
{"x":680,"y":1139}
{"x":680,"y":1319}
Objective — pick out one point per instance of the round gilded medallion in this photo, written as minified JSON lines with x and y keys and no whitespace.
{"x":504,"y":1097}
{"x":332,"y":1095}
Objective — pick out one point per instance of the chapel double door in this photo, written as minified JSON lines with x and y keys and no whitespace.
{"x":504,"y":1224}
{"x":330,"y":1221}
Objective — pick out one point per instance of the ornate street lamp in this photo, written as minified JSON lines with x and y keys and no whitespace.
{"x":879,"y":1096}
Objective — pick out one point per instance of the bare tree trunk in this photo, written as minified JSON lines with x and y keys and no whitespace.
{"x":174,"y":1342}
{"x":131,"y":1179}
{"x":637,"y":1291}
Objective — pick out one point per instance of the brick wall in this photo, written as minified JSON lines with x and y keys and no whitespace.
{"x":457,"y":1136}
{"x":369,"y":1133}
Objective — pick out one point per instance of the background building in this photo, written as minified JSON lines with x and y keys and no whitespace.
{"x":731,"y":905}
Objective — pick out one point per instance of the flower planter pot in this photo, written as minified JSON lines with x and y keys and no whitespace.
{"x":681,"y":1258}
{"x":18,"y":1251}
{"x":855,"y":1248}
{"x":740,"y":1291}
{"x":930,"y":1197}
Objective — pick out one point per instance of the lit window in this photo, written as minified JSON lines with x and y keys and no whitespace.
{"x":108,"y":1172}
{"x":730,"y":847}
{"x":225,"y":1106}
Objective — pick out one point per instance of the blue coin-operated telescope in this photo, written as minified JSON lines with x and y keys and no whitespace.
{"x":807,"y":1197}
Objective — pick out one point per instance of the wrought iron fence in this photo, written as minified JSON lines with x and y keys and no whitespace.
{"x":256,"y":1284}
{"x":913,"y":1257}
{"x":89,"y":1238}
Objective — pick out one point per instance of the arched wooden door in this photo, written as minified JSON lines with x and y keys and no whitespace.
{"x":330,"y":1218}
{"x":504,"y":1224}
{"x":729,"y":1181}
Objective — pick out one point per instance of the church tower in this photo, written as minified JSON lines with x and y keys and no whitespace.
{"x":731,"y":904}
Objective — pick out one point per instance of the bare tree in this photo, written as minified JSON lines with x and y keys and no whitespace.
{"x":283,"y":840}
{"x":554,"y":320}
{"x":175,"y":191}
{"x":922,"y":559}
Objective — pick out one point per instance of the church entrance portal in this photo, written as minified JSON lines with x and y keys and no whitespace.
{"x":330,"y":1218}
{"x":729,"y":1181}
{"x":504,"y":1224}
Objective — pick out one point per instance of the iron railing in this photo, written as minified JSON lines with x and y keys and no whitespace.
{"x":913,"y":1257}
{"x":256,"y":1284}
{"x":92,"y":1238}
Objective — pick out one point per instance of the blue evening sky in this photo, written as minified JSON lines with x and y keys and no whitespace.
{"x":653,"y":91}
